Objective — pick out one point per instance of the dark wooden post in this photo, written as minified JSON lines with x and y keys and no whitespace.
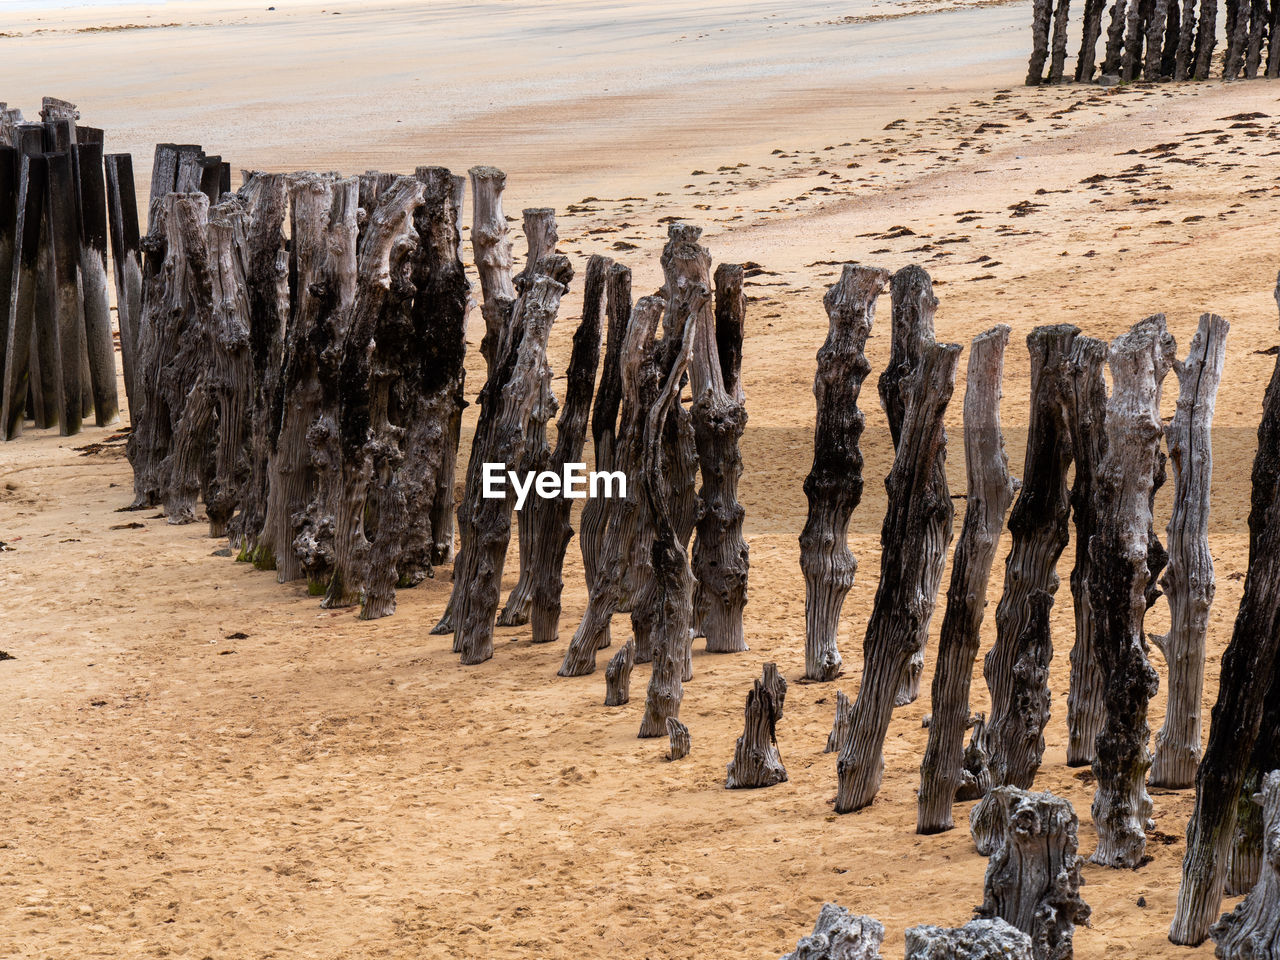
{"x":1118,"y":582}
{"x":28,"y":242}
{"x":834,"y":484}
{"x":893,"y":631}
{"x":1154,"y":64}
{"x":1033,"y":875}
{"x":913,"y":307}
{"x":1115,"y":37}
{"x":1041,"y":13}
{"x":1183,"y":63}
{"x":1188,"y":581}
{"x":67,"y":319}
{"x":1061,"y":21}
{"x":93,"y":272}
{"x":126,"y":258}
{"x":1247,"y":668}
{"x":1206,"y":39}
{"x":1091,"y":31}
{"x":10,"y":190}
{"x":1252,"y":930}
{"x":756,"y":762}
{"x":1016,"y":668}
{"x":1134,"y":31}
{"x":990,"y":493}
{"x":551,"y":530}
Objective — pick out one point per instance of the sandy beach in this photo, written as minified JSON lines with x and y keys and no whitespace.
{"x":196,"y":761}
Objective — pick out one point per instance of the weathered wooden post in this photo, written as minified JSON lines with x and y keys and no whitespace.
{"x":28,"y":243}
{"x":992,"y":939}
{"x":617,"y":675}
{"x":834,"y":484}
{"x":1041,"y":12}
{"x":63,"y":239}
{"x":1118,"y":582}
{"x":1033,"y":875}
{"x":550,"y":529}
{"x":93,"y":273}
{"x":1085,"y":395}
{"x":756,"y":762}
{"x":841,"y":726}
{"x":1247,"y":667}
{"x":126,"y":258}
{"x":1061,"y":22}
{"x":1016,"y":668}
{"x":10,"y":189}
{"x":720,"y":555}
{"x":673,"y":580}
{"x":1090,"y":32}
{"x":990,"y":493}
{"x":1188,"y":581}
{"x":913,"y":308}
{"x":893,"y":631}
{"x":840,"y":935}
{"x":1252,"y":930}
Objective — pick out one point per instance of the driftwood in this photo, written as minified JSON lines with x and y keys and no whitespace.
{"x":913,"y":307}
{"x":550,"y":530}
{"x":672,"y":578}
{"x":126,"y":258}
{"x":840,"y":935}
{"x":992,"y":939}
{"x":720,"y":555}
{"x":834,"y":484}
{"x":1085,"y":394}
{"x":1188,"y":581}
{"x":1033,"y":875}
{"x":911,"y":521}
{"x":841,"y":727}
{"x":641,"y":373}
{"x":1139,"y":360}
{"x":541,"y":234}
{"x":1252,"y":930}
{"x":91,"y":191}
{"x":756,"y":762}
{"x":990,"y":493}
{"x":617,"y":675}
{"x":678,"y":734}
{"x":21,"y":334}
{"x":1016,"y":667}
{"x":1244,"y":679}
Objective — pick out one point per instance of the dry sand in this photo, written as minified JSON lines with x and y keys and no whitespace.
{"x":199,"y":762}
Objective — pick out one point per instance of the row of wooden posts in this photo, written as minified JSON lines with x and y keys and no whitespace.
{"x":309,"y":391}
{"x":1156,"y":40}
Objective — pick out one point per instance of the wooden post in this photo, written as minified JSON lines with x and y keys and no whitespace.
{"x":913,"y":307}
{"x":1061,"y":21}
{"x":93,"y":272}
{"x":1115,"y":37}
{"x":28,"y":243}
{"x":776,"y":684}
{"x":126,"y":258}
{"x":10,"y":189}
{"x":1188,"y":581}
{"x":893,"y":631}
{"x":1016,"y":667}
{"x":639,"y":376}
{"x":1033,"y":875}
{"x":550,"y":530}
{"x":1252,"y":930}
{"x":834,"y":484}
{"x":1041,"y":12}
{"x":990,"y":493}
{"x":1135,"y":30}
{"x":840,"y":935}
{"x":756,"y":762}
{"x":1183,"y":63}
{"x":1091,"y":31}
{"x":1118,"y":581}
{"x":720,"y":555}
{"x":67,"y":319}
{"x":1247,"y":668}
{"x":678,"y":734}
{"x":992,"y":939}
{"x":540,"y":232}
{"x":841,"y":727}
{"x":617,"y":675}
{"x":673,"y":580}
{"x":1273,"y":43}
{"x":1085,"y":394}
{"x":1154,"y":64}
{"x":1206,"y":39}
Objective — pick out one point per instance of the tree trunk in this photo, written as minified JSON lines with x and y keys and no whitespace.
{"x":126,"y":258}
{"x":1033,"y":876}
{"x":617,"y":676}
{"x":1085,"y":394}
{"x":507,"y":443}
{"x":1118,"y":582}
{"x":1041,"y":14}
{"x":911,"y":522}
{"x":720,"y":555}
{"x":840,"y":935}
{"x":679,"y":736}
{"x":63,"y":240}
{"x":1092,"y":30}
{"x":1188,"y":581}
{"x":756,"y":762}
{"x":1252,"y":930}
{"x":990,"y":493}
{"x":1061,"y":22}
{"x":834,"y":484}
{"x":992,"y":939}
{"x":914,"y":305}
{"x":540,"y":232}
{"x":673,"y":579}
{"x":640,"y":381}
{"x":1018,"y":662}
{"x":1247,"y":667}
{"x":551,"y":529}
{"x":28,"y":242}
